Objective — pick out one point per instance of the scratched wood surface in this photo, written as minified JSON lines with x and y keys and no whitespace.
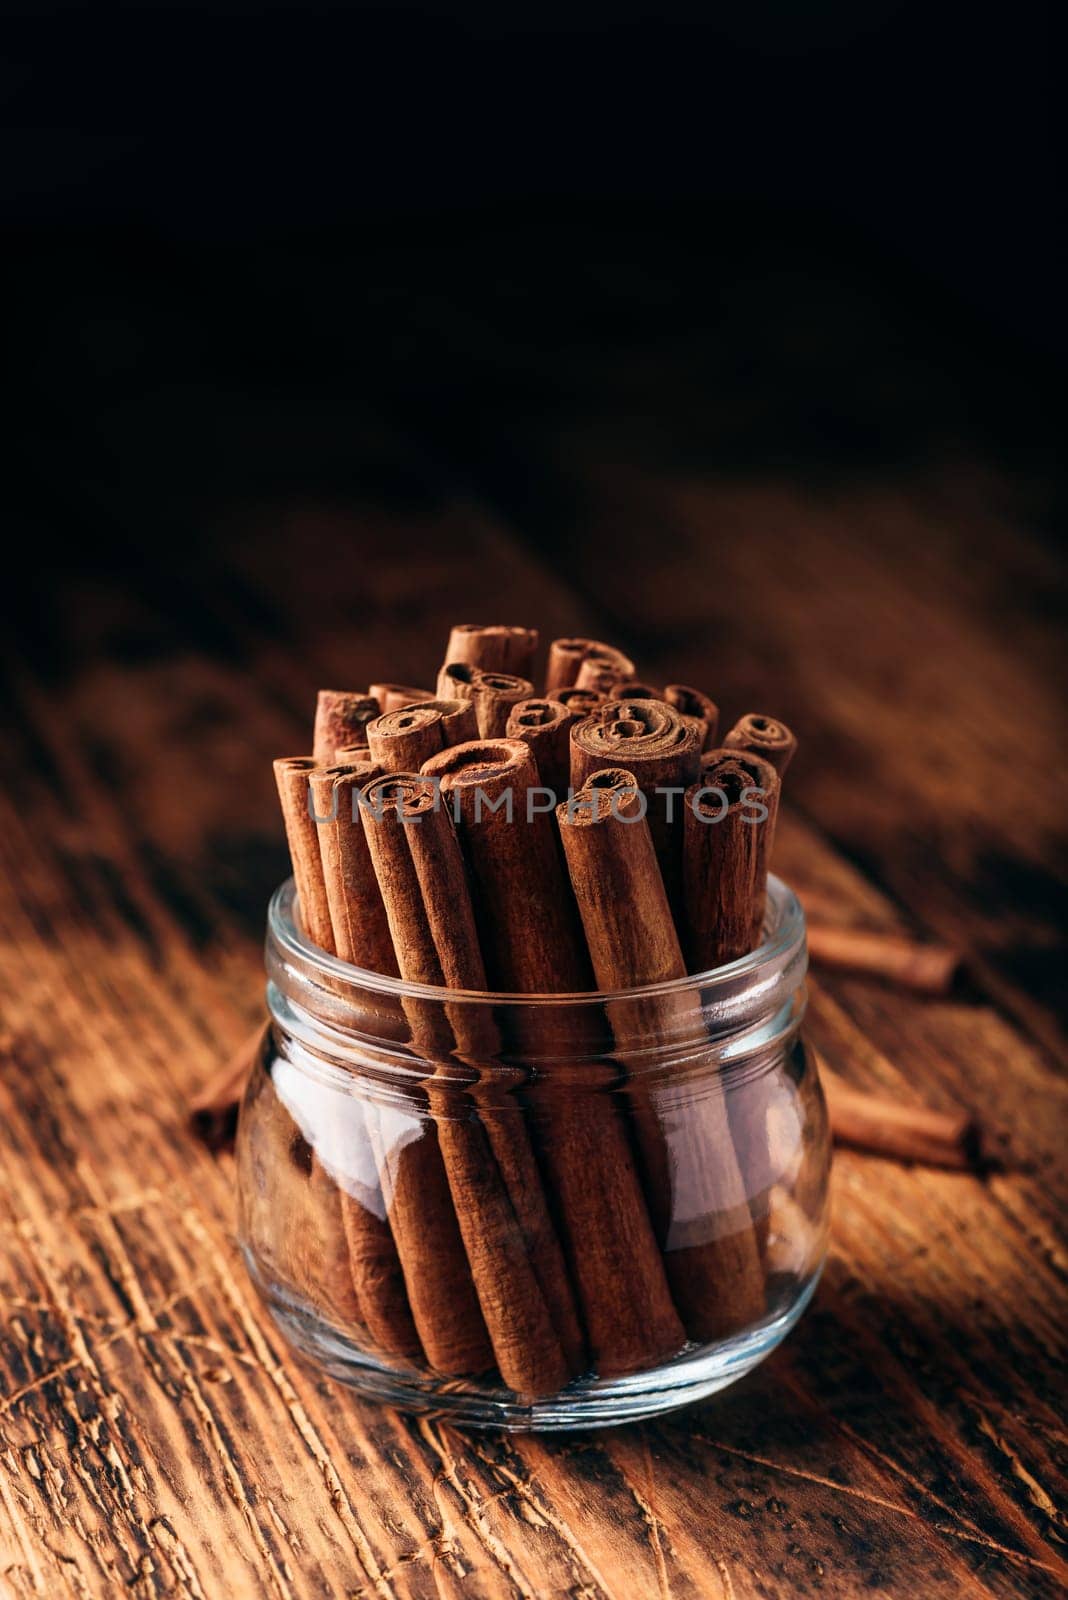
{"x":156,"y":1437}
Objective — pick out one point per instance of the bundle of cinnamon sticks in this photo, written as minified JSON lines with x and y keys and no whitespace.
{"x":598,"y":836}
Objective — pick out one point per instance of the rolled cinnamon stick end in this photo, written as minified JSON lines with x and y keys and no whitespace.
{"x":692,"y":703}
{"x":545,"y":725}
{"x":728,"y":826}
{"x":357,"y":758}
{"x":602,"y":666}
{"x":400,"y":741}
{"x":582,"y":701}
{"x":494,"y":694}
{"x":763,"y":736}
{"x":887,"y":1127}
{"x":340,"y":719}
{"x":566,"y":657}
{"x":493,"y":649}
{"x":515,"y":1260}
{"x":652,"y":740}
{"x":394,"y":696}
{"x":292,"y":774}
{"x":358,"y":920}
{"x":926,"y":968}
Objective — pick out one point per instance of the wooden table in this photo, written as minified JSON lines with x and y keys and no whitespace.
{"x":156,"y":1437}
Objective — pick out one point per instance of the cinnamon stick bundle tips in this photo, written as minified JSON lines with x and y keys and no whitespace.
{"x":395,"y":696}
{"x":493,"y":649}
{"x":763,"y":736}
{"x":927,"y":968}
{"x":515,"y":1259}
{"x":567,"y":656}
{"x":545,"y":725}
{"x":292,"y":774}
{"x":692,"y":703}
{"x":340,"y":719}
{"x":402,"y":740}
{"x":726,"y":842}
{"x":493,"y":694}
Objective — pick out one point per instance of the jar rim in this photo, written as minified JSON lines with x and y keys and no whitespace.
{"x":782,"y":947}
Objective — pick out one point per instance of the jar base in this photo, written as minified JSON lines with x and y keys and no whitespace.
{"x":585,"y":1403}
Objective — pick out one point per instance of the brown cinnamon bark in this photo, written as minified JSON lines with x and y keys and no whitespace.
{"x":357,"y":757}
{"x":494,"y":695}
{"x":566,"y":657}
{"x":726,"y":845}
{"x":291,"y":774}
{"x":531,"y":943}
{"x":394,"y":696}
{"x":358,"y":921}
{"x":362,"y":937}
{"x":763,"y":736}
{"x":927,"y":968}
{"x":340,"y":719}
{"x":692,"y":703}
{"x":456,"y":681}
{"x":493,"y":649}
{"x":515,"y":1258}
{"x":696,"y":1189}
{"x":545,"y":725}
{"x":652,"y":740}
{"x":602,"y":666}
{"x":886,"y":1127}
{"x":402,"y":740}
{"x":583,"y":701}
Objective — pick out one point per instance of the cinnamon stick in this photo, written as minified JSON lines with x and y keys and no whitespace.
{"x":494,"y":695}
{"x":692,"y":1174}
{"x":583,"y":701}
{"x":763,"y":736}
{"x":213,"y":1109}
{"x":291,"y":774}
{"x":927,"y":968}
{"x":567,"y":655}
{"x":515,"y":1258}
{"x":692,"y":703}
{"x":884,"y":1126}
{"x":359,"y":926}
{"x":531,"y":943}
{"x":728,"y":824}
{"x":652,"y":740}
{"x":395,"y":696}
{"x":362,"y":937}
{"x":357,"y":757}
{"x":603,"y":665}
{"x":545,"y":725}
{"x":402,"y":740}
{"x":340,"y":719}
{"x":493,"y":649}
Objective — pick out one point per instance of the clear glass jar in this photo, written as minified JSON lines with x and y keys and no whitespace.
{"x":600,"y":1207}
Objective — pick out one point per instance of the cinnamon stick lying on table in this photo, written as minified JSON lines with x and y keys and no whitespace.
{"x":394,"y":696}
{"x":213,"y":1110}
{"x":545,"y":725}
{"x":515,"y":1258}
{"x":726,"y":844}
{"x":927,"y":968}
{"x":291,"y":774}
{"x":531,"y":942}
{"x":493,"y":649}
{"x":652,"y":740}
{"x":691,"y":1169}
{"x":883,"y":1126}
{"x":692,"y":703}
{"x":763,"y":736}
{"x":340,"y":719}
{"x":402,"y":740}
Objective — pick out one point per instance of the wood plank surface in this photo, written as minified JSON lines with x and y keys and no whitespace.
{"x":156,"y":1437}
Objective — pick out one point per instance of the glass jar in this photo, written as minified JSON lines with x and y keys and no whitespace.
{"x":535,"y":1212}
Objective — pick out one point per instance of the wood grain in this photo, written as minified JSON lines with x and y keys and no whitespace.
{"x":155,"y":1435}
